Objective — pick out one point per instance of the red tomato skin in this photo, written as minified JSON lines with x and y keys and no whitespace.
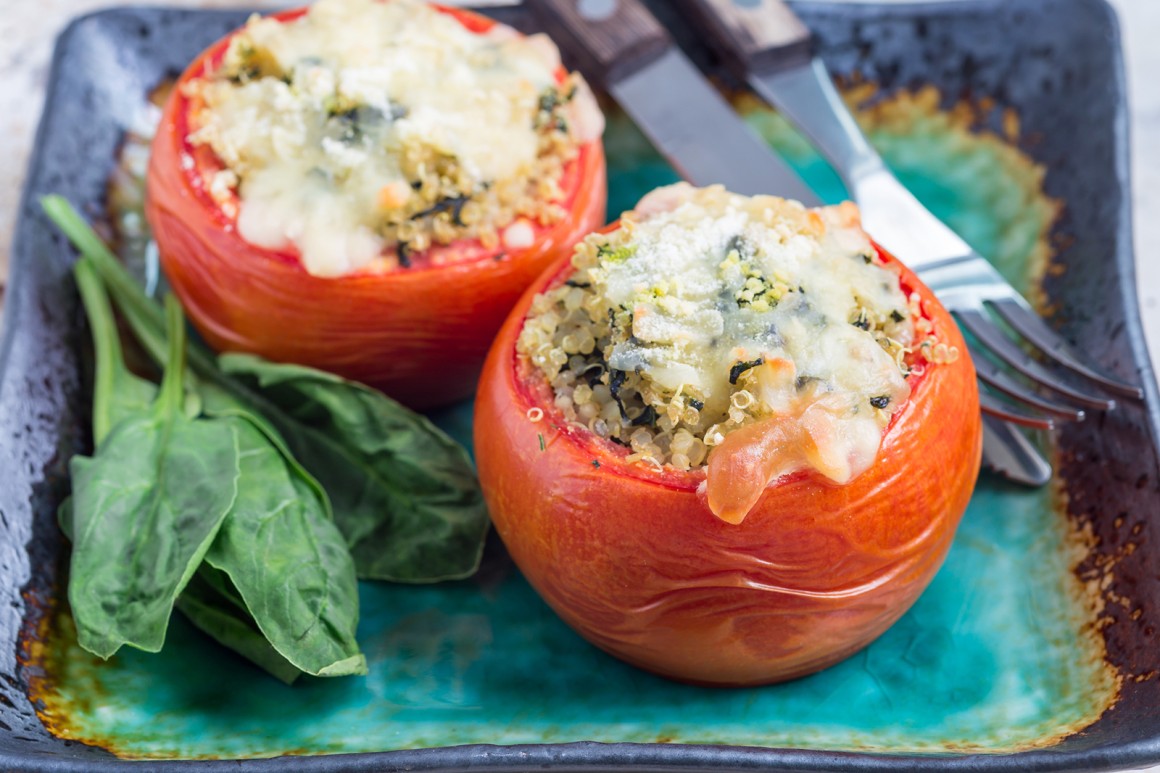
{"x":418,"y":334}
{"x":633,"y":559}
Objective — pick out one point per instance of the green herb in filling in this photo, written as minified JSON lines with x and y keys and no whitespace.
{"x":736,"y":371}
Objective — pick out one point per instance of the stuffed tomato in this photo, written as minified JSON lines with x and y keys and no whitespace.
{"x":367,"y":187}
{"x":728,"y":441}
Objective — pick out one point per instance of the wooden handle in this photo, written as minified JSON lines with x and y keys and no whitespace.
{"x":755,"y":36}
{"x":608,"y":39}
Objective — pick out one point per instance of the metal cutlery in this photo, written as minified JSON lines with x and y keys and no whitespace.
{"x":770,"y":48}
{"x":623,"y":48}
{"x":620,"y":46}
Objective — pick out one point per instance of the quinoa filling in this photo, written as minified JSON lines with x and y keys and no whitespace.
{"x":706,"y":313}
{"x":366,"y":131}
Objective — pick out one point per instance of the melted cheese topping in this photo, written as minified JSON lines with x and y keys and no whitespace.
{"x":771,"y":335}
{"x":365,"y":124}
{"x":716,"y":281}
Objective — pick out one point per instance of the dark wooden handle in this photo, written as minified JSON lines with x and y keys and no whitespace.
{"x":755,"y":36}
{"x":608,"y":39}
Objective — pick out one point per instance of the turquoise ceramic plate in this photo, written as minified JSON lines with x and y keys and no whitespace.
{"x":1033,"y":646}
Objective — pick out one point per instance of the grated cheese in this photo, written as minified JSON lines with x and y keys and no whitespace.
{"x":707,"y":313}
{"x":367,"y":124}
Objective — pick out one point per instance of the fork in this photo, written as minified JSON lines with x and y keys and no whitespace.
{"x":766,"y":45}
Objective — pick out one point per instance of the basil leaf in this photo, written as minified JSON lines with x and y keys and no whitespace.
{"x":213,"y":606}
{"x":145,"y":509}
{"x":288,"y":562}
{"x":405,"y":495}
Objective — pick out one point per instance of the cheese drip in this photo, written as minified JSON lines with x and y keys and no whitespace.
{"x":779,"y":326}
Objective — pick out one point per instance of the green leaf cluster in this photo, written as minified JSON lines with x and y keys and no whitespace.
{"x":249,"y":495}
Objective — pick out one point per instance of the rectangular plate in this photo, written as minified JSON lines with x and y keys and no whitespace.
{"x":1008,"y":660}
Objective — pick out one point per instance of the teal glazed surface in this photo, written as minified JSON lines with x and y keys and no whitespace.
{"x":998,"y":655}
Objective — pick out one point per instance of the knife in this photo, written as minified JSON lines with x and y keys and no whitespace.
{"x":618,"y":45}
{"x":765,"y":44}
{"x":621,"y":47}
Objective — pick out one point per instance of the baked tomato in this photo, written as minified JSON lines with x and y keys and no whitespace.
{"x":800,"y":575}
{"x":418,"y":328}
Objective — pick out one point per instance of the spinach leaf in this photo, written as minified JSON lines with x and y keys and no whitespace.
{"x":288,"y":562}
{"x":117,"y":393}
{"x":405,"y":495}
{"x":64,"y":518}
{"x":220,"y":402}
{"x":213,"y":605}
{"x":277,"y":540}
{"x":144,"y":315}
{"x":145,"y":509}
{"x":388,"y":492}
{"x":216,"y":394}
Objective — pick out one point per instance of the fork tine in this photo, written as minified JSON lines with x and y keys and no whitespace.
{"x":1012,"y":455}
{"x":994,"y":376}
{"x":1003,"y":348}
{"x":1000,"y":410}
{"x":1048,"y":341}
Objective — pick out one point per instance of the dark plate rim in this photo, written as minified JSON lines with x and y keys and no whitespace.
{"x":591,"y":756}
{"x":587,"y":756}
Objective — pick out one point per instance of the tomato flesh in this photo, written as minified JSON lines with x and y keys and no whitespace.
{"x":635,"y":560}
{"x":419,"y":334}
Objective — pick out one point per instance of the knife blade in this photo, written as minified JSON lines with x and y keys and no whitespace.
{"x":619,"y":46}
{"x":765,"y":44}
